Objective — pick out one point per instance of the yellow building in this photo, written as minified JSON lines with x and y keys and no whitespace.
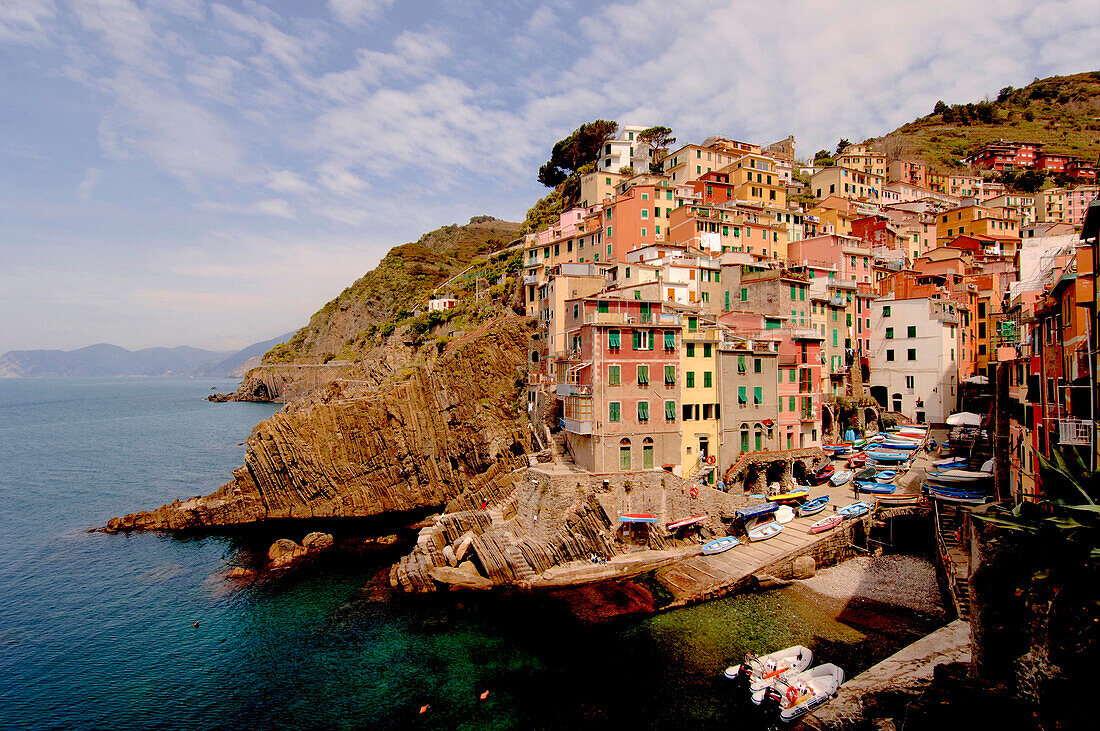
{"x":597,"y":187}
{"x":756,"y":180}
{"x":847,"y":183}
{"x":700,"y":411}
{"x":862,"y":158}
{"x":975,"y":220}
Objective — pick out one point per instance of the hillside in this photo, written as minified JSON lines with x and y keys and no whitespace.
{"x":105,"y":360}
{"x":1062,"y":112}
{"x":350,"y":325}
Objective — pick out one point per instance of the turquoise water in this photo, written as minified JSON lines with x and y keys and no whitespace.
{"x":99,"y":631}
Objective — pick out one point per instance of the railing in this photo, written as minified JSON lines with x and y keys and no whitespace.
{"x":806,"y":332}
{"x":530,"y":279}
{"x":606,"y":318}
{"x":572,"y":389}
{"x":574,"y":426}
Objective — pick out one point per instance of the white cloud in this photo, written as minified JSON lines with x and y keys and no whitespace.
{"x":355,"y":12}
{"x":88,"y":184}
{"x":276,"y":207}
{"x":24,"y":21}
{"x":287,"y":181}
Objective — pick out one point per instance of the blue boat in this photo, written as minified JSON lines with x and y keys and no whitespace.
{"x":882,"y":456}
{"x":876,"y":488}
{"x":813,"y":507}
{"x":855,"y":510}
{"x":718,"y":545}
{"x":765,"y":531}
{"x":891,"y":444}
{"x":757,"y":511}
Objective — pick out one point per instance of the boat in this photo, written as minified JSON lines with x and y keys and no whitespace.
{"x":799,"y":694}
{"x":827,"y":523}
{"x":865,"y":474}
{"x":836,"y":448}
{"x":959,"y":498}
{"x":763,"y":671}
{"x":785,"y":514}
{"x":813,"y":507}
{"x":764,"y":531}
{"x":822,"y":475}
{"x":896,"y":444}
{"x":949,"y":463}
{"x":859,"y":443}
{"x":694,"y":520}
{"x":842,"y":477}
{"x":787,"y":496}
{"x":756,"y":511}
{"x":718,"y":545}
{"x":637,"y":518}
{"x":885,"y":475}
{"x":875,"y":488}
{"x":896,"y":500}
{"x":959,"y":476}
{"x":887,"y":456}
{"x":854,"y":510}
{"x":857,"y":460}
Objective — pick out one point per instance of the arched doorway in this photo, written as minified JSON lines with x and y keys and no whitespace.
{"x":798,"y":471}
{"x":870,"y":419}
{"x":624,"y":455}
{"x":744,"y":438}
{"x":775,"y":472}
{"x":878,"y":393}
{"x":647,"y":453}
{"x":758,"y":437}
{"x":826,"y":420}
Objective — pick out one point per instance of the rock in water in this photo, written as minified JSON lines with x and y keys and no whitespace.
{"x":284,"y":552}
{"x":317,"y":542}
{"x":459,"y":579}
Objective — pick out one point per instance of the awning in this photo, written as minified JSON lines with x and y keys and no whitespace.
{"x":964,"y":418}
{"x":638,"y":518}
{"x":977,"y":380}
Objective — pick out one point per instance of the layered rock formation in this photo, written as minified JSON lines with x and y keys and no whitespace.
{"x":349,"y":450}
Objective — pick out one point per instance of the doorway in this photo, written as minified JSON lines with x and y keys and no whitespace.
{"x":624,"y":455}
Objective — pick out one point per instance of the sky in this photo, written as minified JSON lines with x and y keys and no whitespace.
{"x":183,"y":172}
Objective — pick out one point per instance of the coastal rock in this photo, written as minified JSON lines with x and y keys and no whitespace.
{"x":765,"y":582}
{"x":314,"y":542}
{"x":458,"y":579}
{"x":283,"y":552}
{"x":445,"y":433}
{"x":240,"y":572}
{"x":803,"y":567}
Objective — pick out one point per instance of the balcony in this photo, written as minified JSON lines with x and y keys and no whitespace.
{"x":578,"y":427}
{"x":807,"y":416}
{"x":530,"y":279}
{"x":806,"y":333}
{"x":838,"y":302}
{"x":572,"y":389}
{"x":606,"y":318}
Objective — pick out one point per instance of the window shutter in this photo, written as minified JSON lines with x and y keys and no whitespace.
{"x":670,"y":410}
{"x":670,"y":339}
{"x":637,"y":340}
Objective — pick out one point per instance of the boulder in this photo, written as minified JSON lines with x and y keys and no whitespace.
{"x":803,"y":567}
{"x":463,"y":544}
{"x":459,"y":579}
{"x":469,"y":568}
{"x":240,"y":572}
{"x":317,"y":542}
{"x":763,"y":582}
{"x":282,"y":549}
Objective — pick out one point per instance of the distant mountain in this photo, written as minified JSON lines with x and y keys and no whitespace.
{"x":105,"y":360}
{"x":242,"y":360}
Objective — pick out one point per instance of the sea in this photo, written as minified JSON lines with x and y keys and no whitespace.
{"x":147,"y":631}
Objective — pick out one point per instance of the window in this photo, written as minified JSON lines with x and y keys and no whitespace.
{"x":910,"y":382}
{"x":889,"y":334}
{"x":614,"y":339}
{"x":687,"y":412}
{"x":757,"y":395}
{"x":889,"y":355}
{"x":643,"y":411}
{"x":708,"y":379}
{"x":707,"y":350}
{"x":790,"y":404}
{"x":690,"y":349}
{"x":614,"y":411}
{"x":740,"y":364}
{"x":670,"y":411}
{"x":886,"y":311}
{"x":792,"y":376}
{"x":643,"y":375}
{"x":614,"y":375}
{"x":643,"y":340}
{"x":911,"y":331}
{"x":757,"y":365}
{"x":741,"y":398}
{"x":670,"y":340}
{"x":602,"y":307}
{"x":689,"y":377}
{"x":744,"y":294}
{"x":670,"y":375}
{"x":911,"y":354}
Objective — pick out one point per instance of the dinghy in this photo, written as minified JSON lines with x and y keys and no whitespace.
{"x":836,"y":449}
{"x":784,"y":515}
{"x":866,"y":474}
{"x":813,"y":507}
{"x":949,"y":463}
{"x":885,"y":475}
{"x":826,"y":524}
{"x":764,"y":531}
{"x":854,"y":510}
{"x":857,"y":460}
{"x":719,"y":545}
{"x":762,"y":672}
{"x":841,"y":478}
{"x":822,"y":475}
{"x":800,"y":694}
{"x":875,"y":488}
{"x":787,"y":496}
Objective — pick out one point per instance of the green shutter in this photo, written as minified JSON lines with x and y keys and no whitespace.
{"x":690,"y":378}
{"x":707,"y":379}
{"x":757,"y":395}
{"x":690,"y":350}
{"x":601,"y":307}
{"x":670,"y":410}
{"x":727,"y":300}
{"x":637,"y":340}
{"x":744,"y":294}
{"x":670,"y":339}
{"x":791,"y":404}
{"x":614,"y":340}
{"x":643,"y":411}
{"x":614,"y":410}
{"x":706,"y":350}
{"x":670,"y":375}
{"x":643,"y":375}
{"x":613,"y":378}
{"x":741,"y":398}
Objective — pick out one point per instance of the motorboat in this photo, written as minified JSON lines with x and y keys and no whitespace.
{"x":718,"y":545}
{"x":762,"y":672}
{"x":813,"y":507}
{"x":765,"y":530}
{"x":854,"y":510}
{"x":827,"y":523}
{"x":799,"y":694}
{"x":842,"y":477}
{"x":875,"y":488}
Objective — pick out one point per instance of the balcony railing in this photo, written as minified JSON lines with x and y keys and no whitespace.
{"x":574,"y":426}
{"x":573,"y":389}
{"x":531,"y":279}
{"x":606,"y":318}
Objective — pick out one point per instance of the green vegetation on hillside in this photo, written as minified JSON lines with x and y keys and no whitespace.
{"x":403,"y":282}
{"x":1061,"y":112}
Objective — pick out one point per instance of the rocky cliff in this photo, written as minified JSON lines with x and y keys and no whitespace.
{"x":353,"y":450}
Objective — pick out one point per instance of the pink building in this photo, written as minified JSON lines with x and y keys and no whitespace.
{"x":851,"y":257}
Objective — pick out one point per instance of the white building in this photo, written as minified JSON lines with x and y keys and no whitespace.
{"x":626,"y":151}
{"x":914,"y":365}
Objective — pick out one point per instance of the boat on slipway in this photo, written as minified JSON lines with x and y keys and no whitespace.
{"x":764,"y":531}
{"x":813,"y":507}
{"x":827,"y":523}
{"x":718,"y":545}
{"x":854,"y":510}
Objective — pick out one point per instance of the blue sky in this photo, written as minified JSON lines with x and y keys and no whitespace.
{"x":210,"y":173}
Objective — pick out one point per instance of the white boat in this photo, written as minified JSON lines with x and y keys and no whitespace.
{"x":841,"y":477}
{"x":785,"y":514}
{"x":959,"y":477}
{"x":801,"y":693}
{"x":763,"y":672}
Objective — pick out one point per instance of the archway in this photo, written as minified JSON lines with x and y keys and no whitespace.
{"x":878,"y":393}
{"x":775,"y":472}
{"x":870,"y":419}
{"x":798,"y":471}
{"x":752,"y":476}
{"x":826,"y":420}
{"x":624,"y":455}
{"x":647,"y":453}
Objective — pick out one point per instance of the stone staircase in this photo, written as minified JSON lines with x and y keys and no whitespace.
{"x":562,"y":455}
{"x":956,"y":559}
